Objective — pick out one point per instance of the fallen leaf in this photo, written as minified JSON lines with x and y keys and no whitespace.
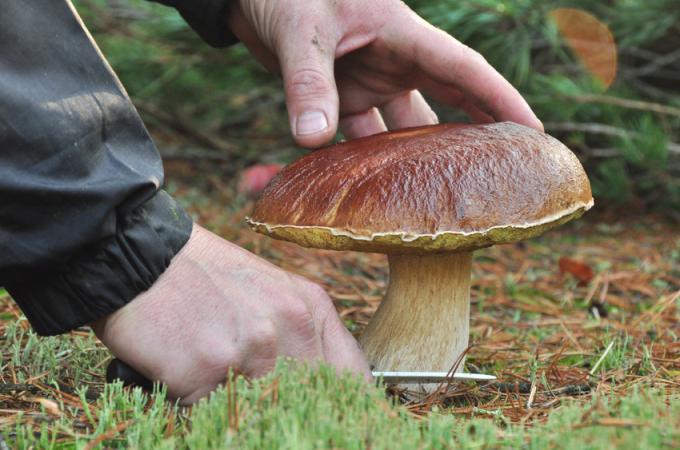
{"x":590,"y":40}
{"x":579,"y":270}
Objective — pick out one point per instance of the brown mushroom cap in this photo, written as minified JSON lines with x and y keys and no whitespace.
{"x":426,"y":189}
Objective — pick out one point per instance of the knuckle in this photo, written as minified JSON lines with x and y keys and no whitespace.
{"x":324,"y":307}
{"x":263,"y":336}
{"x":214,"y":356}
{"x":493,"y":102}
{"x":295,"y":312}
{"x":325,"y":302}
{"x":469,"y":54}
{"x":166,"y":375}
{"x":323,"y":299}
{"x":305,"y":313}
{"x":316,"y":291}
{"x":308,"y":288}
{"x":309,"y":82}
{"x":298,"y":318}
{"x":481,"y":60}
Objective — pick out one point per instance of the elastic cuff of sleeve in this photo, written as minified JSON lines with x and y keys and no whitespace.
{"x":208,"y":18}
{"x":107,"y":277}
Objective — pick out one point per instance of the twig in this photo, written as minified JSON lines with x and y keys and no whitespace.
{"x":608,"y":152}
{"x":572,"y":389}
{"x":550,"y":403}
{"x":108,"y":435}
{"x":656,"y":63}
{"x":612,"y":422}
{"x":627,"y":103}
{"x":601,"y":128}
{"x":183,"y":125}
{"x":571,"y":336}
{"x":532,"y":394}
{"x":6,"y":388}
{"x":648,"y":89}
{"x":194,"y":153}
{"x":521,"y":387}
{"x":641,"y":53}
{"x":604,"y":355}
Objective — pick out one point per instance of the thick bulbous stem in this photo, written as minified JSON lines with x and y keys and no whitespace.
{"x":422,"y":323}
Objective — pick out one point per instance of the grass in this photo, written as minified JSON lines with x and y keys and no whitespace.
{"x":301,"y":408}
{"x":586,"y":350}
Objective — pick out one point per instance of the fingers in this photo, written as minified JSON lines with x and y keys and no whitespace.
{"x":445,"y":60}
{"x":307,"y":59}
{"x":453,"y":96}
{"x":240,"y":26}
{"x":343,"y":352}
{"x":362,"y":124}
{"x":476,"y":114}
{"x":338,"y":346}
{"x":408,"y":110}
{"x":340,"y":349}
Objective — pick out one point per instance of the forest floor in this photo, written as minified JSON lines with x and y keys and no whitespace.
{"x":580,"y":316}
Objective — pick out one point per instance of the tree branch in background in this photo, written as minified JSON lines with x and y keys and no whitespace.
{"x":627,"y":103}
{"x":657,"y":63}
{"x":190,"y":153}
{"x":600,"y":128}
{"x":184,"y":126}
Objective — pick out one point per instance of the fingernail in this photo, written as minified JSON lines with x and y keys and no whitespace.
{"x":311,"y":122}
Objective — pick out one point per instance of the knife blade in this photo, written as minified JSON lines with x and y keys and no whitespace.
{"x":119,"y":370}
{"x":429,"y":377}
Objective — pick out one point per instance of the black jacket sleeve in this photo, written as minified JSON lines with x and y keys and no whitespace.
{"x":207,"y":17}
{"x":84,"y":226}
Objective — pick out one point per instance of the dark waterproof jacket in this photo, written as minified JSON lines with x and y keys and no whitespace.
{"x":84,"y":225}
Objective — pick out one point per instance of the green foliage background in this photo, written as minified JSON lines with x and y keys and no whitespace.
{"x":197,"y":99}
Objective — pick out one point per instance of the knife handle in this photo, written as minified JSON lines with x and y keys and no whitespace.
{"x":119,"y":370}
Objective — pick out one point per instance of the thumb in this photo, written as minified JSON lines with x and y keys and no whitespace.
{"x":306,"y":59}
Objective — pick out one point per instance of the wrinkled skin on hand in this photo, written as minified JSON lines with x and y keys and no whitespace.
{"x":218,"y":307}
{"x":362,"y":64}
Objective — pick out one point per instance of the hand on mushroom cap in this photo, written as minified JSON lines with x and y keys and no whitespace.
{"x":218,"y":307}
{"x":341,"y":60}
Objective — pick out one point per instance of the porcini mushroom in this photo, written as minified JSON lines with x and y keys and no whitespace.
{"x":427,"y":197}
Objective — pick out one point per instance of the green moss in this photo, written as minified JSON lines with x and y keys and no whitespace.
{"x":301,"y":408}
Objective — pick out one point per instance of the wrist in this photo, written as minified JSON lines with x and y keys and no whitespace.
{"x":106,"y":276}
{"x":150,"y":300}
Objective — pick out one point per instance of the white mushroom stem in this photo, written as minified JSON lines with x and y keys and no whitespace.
{"x":422,"y":323}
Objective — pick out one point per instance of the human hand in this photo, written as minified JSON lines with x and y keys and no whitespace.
{"x":218,"y":307}
{"x":363,"y":64}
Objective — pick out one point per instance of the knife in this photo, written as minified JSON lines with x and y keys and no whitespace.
{"x":429,"y":377}
{"x":118,"y":370}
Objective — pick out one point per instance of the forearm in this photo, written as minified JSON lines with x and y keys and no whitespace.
{"x":83,"y":225}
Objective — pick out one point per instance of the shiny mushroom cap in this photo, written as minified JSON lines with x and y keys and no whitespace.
{"x":427,"y":189}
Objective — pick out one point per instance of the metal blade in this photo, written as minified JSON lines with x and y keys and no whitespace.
{"x":429,"y":377}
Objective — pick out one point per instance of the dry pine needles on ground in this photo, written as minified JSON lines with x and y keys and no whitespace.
{"x":592,"y":308}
